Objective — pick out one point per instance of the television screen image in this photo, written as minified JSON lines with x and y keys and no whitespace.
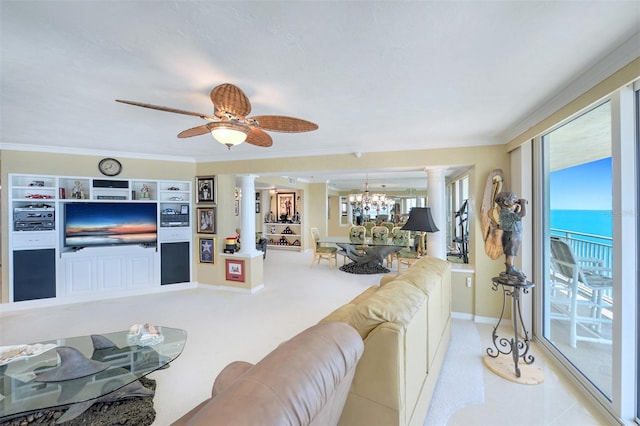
{"x":106,"y":224}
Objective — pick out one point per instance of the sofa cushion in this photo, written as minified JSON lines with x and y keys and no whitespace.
{"x":426,"y":273}
{"x":365,"y":294}
{"x":387,"y":279}
{"x":395,"y":302}
{"x":342,"y":314}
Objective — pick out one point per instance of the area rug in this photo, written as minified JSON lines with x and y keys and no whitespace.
{"x":461,"y":381}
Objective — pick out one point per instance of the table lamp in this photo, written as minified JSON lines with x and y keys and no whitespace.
{"x":420,"y":220}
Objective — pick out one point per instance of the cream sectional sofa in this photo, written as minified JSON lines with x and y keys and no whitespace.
{"x":405,"y":324}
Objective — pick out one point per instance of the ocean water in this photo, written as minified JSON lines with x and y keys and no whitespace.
{"x":596,"y":222}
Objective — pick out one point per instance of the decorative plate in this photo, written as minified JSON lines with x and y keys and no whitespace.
{"x":16,"y":352}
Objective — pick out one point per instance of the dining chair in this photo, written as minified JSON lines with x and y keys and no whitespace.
{"x":400,"y":237}
{"x":321,"y":252}
{"x":578,"y":287}
{"x":369,"y":226}
{"x":379,"y":235}
{"x":389,"y":225}
{"x":358,"y":234}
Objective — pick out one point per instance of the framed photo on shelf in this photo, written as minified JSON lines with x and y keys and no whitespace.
{"x":207,"y":250}
{"x":286,"y":205}
{"x":206,"y":186}
{"x":257,"y":206}
{"x":184,"y":209}
{"x":235,"y":270}
{"x":206,"y":220}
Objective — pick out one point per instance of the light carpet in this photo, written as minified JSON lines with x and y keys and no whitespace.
{"x":461,"y":380}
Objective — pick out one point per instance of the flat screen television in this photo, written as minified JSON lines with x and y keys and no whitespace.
{"x":107,"y":224}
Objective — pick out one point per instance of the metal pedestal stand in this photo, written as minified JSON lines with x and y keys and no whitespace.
{"x":517,"y":348}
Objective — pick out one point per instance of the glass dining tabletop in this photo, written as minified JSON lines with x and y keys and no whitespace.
{"x":345,"y":240}
{"x":30,"y":383}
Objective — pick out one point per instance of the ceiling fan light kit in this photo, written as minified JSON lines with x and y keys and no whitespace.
{"x":230,"y":125}
{"x":229,"y":133}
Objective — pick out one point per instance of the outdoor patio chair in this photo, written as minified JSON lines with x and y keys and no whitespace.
{"x":578,"y":293}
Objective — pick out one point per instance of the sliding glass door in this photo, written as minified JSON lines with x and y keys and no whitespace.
{"x":578,"y":297}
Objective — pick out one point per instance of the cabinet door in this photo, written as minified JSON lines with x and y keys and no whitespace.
{"x":111,"y":273}
{"x":80,"y":276}
{"x":140,"y":269}
{"x":34,"y":274}
{"x":175,"y":266}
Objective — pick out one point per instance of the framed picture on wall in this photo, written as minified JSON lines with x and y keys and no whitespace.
{"x":206,"y":187}
{"x":257,"y":206}
{"x":206,"y":220}
{"x":286,"y":205}
{"x":235,"y":270}
{"x":207,"y":250}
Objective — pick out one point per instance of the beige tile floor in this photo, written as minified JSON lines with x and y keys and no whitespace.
{"x":556,"y":401}
{"x":225,"y":326}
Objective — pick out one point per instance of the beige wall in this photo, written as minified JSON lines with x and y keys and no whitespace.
{"x":480,"y":160}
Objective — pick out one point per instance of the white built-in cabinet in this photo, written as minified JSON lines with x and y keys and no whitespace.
{"x":41,"y":266}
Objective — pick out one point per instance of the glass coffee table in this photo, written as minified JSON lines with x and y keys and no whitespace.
{"x":79,"y":369}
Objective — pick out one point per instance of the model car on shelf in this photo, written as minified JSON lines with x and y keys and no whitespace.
{"x":38,"y":196}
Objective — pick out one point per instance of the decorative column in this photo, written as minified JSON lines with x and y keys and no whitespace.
{"x":436,"y":200}
{"x":247,"y":216}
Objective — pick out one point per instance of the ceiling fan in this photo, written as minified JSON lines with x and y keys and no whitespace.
{"x":229,"y":123}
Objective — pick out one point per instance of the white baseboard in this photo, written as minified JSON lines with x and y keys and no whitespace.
{"x":68,"y":300}
{"x":474,"y":318}
{"x":232,"y":289}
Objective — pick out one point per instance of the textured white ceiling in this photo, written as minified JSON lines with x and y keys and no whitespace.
{"x":374,"y":75}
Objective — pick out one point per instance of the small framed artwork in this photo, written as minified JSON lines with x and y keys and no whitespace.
{"x":257,"y":206}
{"x":286,"y":205}
{"x":206,"y":220}
{"x":235,"y":270}
{"x":207,"y":250}
{"x":206,"y":186}
{"x":237,"y":207}
{"x":257,"y":196}
{"x":184,"y":209}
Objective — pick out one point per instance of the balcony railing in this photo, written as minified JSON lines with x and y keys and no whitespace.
{"x":589,"y":246}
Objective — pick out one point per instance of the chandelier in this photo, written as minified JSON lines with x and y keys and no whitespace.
{"x":366,"y":201}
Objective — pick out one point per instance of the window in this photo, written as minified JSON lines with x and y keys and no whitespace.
{"x":458,"y":220}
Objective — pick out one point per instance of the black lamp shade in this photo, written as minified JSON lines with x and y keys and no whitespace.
{"x":420,"y":220}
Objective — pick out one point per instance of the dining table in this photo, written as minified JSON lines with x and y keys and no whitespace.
{"x":366,"y":257}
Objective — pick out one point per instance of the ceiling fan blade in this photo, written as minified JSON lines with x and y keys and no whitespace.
{"x":167,"y":109}
{"x":259,"y":138}
{"x":195,"y":131}
{"x":281,"y":123}
{"x":229,"y":98}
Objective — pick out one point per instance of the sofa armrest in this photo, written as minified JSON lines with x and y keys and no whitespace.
{"x":228,"y":375}
{"x":305,"y":380}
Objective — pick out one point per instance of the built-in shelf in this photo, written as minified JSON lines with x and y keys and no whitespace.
{"x":37,"y":222}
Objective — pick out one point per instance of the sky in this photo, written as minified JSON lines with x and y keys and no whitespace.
{"x":583,"y":187}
